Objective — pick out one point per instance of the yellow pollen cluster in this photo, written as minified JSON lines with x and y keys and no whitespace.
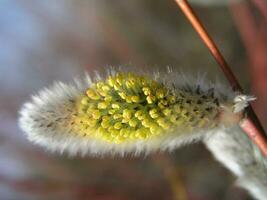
{"x":128,"y":107}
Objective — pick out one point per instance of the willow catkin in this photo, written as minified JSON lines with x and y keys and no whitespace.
{"x":124,"y":112}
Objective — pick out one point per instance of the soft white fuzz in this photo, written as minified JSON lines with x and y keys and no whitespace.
{"x":241,"y":102}
{"x":234,"y":150}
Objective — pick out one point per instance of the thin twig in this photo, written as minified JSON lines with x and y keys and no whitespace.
{"x":254,"y":134}
{"x":174,"y":176}
{"x":251,"y":124}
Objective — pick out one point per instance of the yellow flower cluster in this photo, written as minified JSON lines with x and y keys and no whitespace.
{"x":127,"y":107}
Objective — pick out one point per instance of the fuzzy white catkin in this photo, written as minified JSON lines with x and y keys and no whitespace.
{"x":46,"y":118}
{"x":234,"y":150}
{"x":46,"y":122}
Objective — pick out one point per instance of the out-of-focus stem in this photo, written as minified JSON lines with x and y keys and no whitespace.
{"x":259,"y":137}
{"x":174,"y":176}
{"x":262,"y":6}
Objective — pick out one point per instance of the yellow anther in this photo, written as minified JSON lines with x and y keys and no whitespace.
{"x":119,"y":79}
{"x":163,"y":123}
{"x":110,"y":129}
{"x":138,"y":113}
{"x":91,"y":94}
{"x":150,"y":99}
{"x":128,"y":84}
{"x":117,"y":125}
{"x":85,"y":100}
{"x":133,"y":122}
{"x":128,"y":99}
{"x":166,"y":126}
{"x":161,"y":105}
{"x":106,"y":118}
{"x":114,"y":133}
{"x":167,"y":111}
{"x":127,"y":114}
{"x":99,"y":84}
{"x":102,"y":93}
{"x":90,"y":109}
{"x":141,"y":134}
{"x":111,"y":81}
{"x":96,"y":114}
{"x":153,"y":110}
{"x":112,"y":111}
{"x":132,"y":81}
{"x":105,"y":88}
{"x":146,"y":91}
{"x":117,"y":116}
{"x":122,"y":95}
{"x":105,"y":124}
{"x":122,"y":131}
{"x":115,"y":106}
{"x":102,"y":105}
{"x":153,"y":113}
{"x":124,"y":120}
{"x":146,"y":122}
{"x":108,"y":98}
{"x":135,"y":99}
{"x":116,"y":86}
{"x":154,"y":129}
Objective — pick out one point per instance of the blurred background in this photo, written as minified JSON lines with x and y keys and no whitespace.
{"x":45,"y":41}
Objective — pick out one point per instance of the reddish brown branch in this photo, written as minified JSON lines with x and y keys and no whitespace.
{"x":251,"y":124}
{"x":254,"y":133}
{"x":262,"y":7}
